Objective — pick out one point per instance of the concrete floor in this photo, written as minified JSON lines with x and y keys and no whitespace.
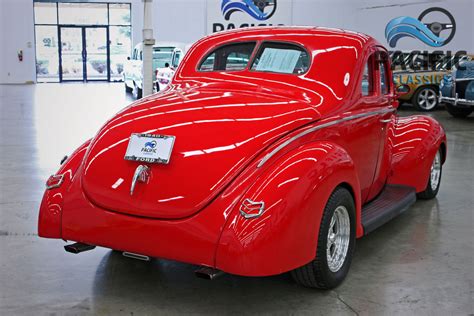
{"x":420,"y":263}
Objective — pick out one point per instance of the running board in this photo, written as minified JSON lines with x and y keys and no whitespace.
{"x":393,"y":200}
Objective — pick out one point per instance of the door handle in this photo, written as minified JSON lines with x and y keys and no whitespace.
{"x":385,"y":120}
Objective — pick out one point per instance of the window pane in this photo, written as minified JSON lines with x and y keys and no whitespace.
{"x":47,"y":56}
{"x":45,"y":13}
{"x":383,"y":78}
{"x":281,"y":58}
{"x":83,"y":13}
{"x":119,"y":14}
{"x":367,"y":78}
{"x":229,"y":57}
{"x":161,"y":56}
{"x":120,"y":47}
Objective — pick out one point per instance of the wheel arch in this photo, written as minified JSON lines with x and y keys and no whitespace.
{"x":293,"y":211}
{"x":415,"y":139}
{"x":434,"y":86}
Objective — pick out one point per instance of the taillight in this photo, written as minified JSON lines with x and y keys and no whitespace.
{"x":54,"y":181}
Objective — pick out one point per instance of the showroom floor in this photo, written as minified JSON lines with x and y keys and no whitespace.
{"x":420,"y":263}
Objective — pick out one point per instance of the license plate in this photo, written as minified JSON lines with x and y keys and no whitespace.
{"x":150,"y":148}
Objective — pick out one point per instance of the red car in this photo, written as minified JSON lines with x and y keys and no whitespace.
{"x":272,"y":150}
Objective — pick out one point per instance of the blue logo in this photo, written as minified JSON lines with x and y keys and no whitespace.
{"x":258,"y":9}
{"x":428,"y":33}
{"x":151,"y":144}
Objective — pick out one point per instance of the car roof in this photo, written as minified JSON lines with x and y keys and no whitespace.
{"x":262,"y":32}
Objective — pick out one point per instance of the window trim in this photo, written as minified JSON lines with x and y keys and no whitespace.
{"x":215,"y":48}
{"x":262,"y":43}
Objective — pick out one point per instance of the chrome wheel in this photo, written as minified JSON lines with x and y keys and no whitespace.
{"x":427,"y":99}
{"x":435,"y":174}
{"x":338,"y":239}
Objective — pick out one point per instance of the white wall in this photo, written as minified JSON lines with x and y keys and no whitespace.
{"x":186,"y":21}
{"x":16,"y":33}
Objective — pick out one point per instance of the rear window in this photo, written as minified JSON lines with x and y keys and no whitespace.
{"x":230,"y":57}
{"x":281,"y":58}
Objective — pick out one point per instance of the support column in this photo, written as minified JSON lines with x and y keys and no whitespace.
{"x":148,"y":42}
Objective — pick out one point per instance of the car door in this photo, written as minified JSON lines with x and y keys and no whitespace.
{"x":363,"y":134}
{"x":387,"y":104}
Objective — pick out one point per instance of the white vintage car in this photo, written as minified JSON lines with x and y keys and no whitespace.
{"x":163,"y":52}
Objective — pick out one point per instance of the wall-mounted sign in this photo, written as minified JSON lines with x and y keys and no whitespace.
{"x":231,"y":14}
{"x":425,"y":28}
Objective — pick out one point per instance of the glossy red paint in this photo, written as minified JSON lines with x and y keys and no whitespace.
{"x":286,"y":139}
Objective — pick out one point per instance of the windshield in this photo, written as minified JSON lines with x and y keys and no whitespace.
{"x":161,"y":56}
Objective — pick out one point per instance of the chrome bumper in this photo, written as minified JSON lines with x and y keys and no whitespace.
{"x":456,"y":100}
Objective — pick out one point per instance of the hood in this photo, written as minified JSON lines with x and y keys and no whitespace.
{"x":217,"y":132}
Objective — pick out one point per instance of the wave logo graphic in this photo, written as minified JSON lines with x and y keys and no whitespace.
{"x":428,"y":33}
{"x":258,"y":9}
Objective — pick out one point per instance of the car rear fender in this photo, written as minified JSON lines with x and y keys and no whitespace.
{"x":415,"y":141}
{"x":295,"y":189}
{"x":49,"y":222}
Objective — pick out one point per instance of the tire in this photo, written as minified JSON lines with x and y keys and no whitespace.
{"x":127,"y":88}
{"x":137,"y":92}
{"x":319,"y":273}
{"x":425,"y":99}
{"x":434,"y":180}
{"x":458,"y":112}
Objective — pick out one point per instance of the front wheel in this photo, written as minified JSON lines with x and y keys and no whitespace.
{"x":426,"y":99}
{"x":336,"y":244}
{"x":457,"y":111}
{"x":434,"y":181}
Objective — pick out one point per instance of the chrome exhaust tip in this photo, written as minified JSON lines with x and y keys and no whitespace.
{"x":208,"y":273}
{"x":135,"y":256}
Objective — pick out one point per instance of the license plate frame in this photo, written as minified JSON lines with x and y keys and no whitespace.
{"x":150,"y":148}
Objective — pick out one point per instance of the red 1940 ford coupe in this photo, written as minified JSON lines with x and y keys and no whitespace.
{"x":272,"y":150}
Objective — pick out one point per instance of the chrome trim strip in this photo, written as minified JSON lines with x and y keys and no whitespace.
{"x":289,"y":141}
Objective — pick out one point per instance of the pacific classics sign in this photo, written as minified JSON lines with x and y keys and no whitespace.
{"x":231,"y":14}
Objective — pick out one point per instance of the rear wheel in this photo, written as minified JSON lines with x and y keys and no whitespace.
{"x":425,"y":99}
{"x":127,"y":88}
{"x":458,"y":112}
{"x":434,"y":181}
{"x":336,"y":243}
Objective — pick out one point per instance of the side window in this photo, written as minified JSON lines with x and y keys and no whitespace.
{"x":228,"y":58}
{"x":384,"y":82}
{"x":134,"y":56}
{"x":176,"y":57}
{"x":141,"y":55}
{"x":367,"y":83}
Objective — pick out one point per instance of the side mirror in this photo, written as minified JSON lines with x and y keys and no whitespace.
{"x":402,"y":90}
{"x":128,"y":58}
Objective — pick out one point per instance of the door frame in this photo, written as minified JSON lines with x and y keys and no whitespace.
{"x":84,"y":52}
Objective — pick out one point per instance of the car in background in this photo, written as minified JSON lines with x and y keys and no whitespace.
{"x":457,"y":90}
{"x":163,"y":52}
{"x":164,"y":73}
{"x":421,"y":73}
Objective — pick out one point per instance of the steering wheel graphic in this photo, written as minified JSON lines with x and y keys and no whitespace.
{"x":438,"y":27}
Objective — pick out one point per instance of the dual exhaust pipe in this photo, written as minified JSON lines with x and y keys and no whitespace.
{"x":206,"y":273}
